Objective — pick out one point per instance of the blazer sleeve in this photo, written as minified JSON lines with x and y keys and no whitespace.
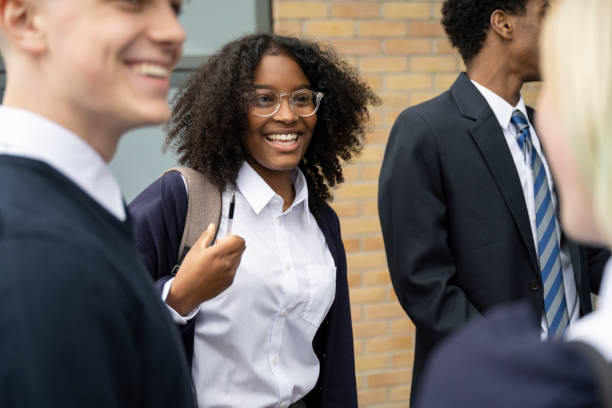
{"x":413,"y":215}
{"x":596,"y":260}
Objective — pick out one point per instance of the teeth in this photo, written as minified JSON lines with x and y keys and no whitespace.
{"x":283,"y":137}
{"x":152,"y":70}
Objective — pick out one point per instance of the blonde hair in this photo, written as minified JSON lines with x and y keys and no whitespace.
{"x":576,"y":46}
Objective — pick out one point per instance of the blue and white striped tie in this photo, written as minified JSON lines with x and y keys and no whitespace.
{"x":548,"y":242}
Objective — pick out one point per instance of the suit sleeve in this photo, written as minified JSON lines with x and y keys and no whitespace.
{"x":596,"y":259}
{"x":413,"y":215}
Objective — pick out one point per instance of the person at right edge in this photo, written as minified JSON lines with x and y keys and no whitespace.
{"x":467,"y":222}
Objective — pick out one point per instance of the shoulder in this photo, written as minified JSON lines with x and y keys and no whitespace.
{"x":167,"y":191}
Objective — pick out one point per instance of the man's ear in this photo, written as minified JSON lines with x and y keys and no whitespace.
{"x":502,"y":24}
{"x":20,"y":25}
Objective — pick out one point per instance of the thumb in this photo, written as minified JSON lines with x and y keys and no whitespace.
{"x":208,"y":235}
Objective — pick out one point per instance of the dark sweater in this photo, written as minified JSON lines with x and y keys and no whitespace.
{"x":81,"y":324}
{"x":159,"y":219}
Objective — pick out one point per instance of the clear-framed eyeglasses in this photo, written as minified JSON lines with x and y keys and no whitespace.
{"x":303,"y":102}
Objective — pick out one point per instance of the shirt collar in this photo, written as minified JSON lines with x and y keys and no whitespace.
{"x":259,"y":194}
{"x":500,"y":107}
{"x":28,"y":135}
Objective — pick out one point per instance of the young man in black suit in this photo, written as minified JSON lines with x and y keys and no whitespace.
{"x":468,"y":211}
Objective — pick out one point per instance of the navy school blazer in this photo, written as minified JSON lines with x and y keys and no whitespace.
{"x":159,"y":214}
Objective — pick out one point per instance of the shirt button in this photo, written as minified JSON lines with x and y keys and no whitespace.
{"x":288,"y":268}
{"x":284,"y":405}
{"x":283,"y":312}
{"x":273,"y":359}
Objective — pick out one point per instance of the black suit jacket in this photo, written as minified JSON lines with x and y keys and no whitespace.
{"x":455,"y":223}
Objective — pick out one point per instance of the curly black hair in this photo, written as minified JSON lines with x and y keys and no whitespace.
{"x":466,"y":22}
{"x":209,"y":114}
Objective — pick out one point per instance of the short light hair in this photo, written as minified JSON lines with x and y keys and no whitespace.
{"x":576,"y":46}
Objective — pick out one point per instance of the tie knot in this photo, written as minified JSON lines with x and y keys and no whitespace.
{"x":522,"y":125}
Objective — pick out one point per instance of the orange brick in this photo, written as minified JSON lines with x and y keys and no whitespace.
{"x":433,"y":64}
{"x":303,"y":9}
{"x":330,"y":28}
{"x":367,"y":363}
{"x":409,"y":46}
{"x":368,"y":396}
{"x":384,"y":311}
{"x":368,"y":295}
{"x":396,"y":343}
{"x":403,"y":359}
{"x":356,"y":10}
{"x":383,"y":64}
{"x":382,"y":29}
{"x":394,"y":99}
{"x":390,"y":378}
{"x":408,"y":81}
{"x":370,"y":208}
{"x":437,"y":11}
{"x":357,"y":47}
{"x":291,"y":28}
{"x":366,"y":260}
{"x":369,"y":329}
{"x":375,"y":118}
{"x":378,"y":278}
{"x":359,"y":346}
{"x":443,"y":46}
{"x":373,"y":244}
{"x":426,"y":29}
{"x":360,"y":381}
{"x":419,"y":97}
{"x":362,"y":190}
{"x":359,"y":225}
{"x":391,"y":116}
{"x":370,"y":172}
{"x":356,"y":313}
{"x":377,"y":136}
{"x":373,"y":81}
{"x":444,"y":81}
{"x":370,"y":154}
{"x":401,"y":393}
{"x":407,"y":10}
{"x":351,"y":245}
{"x":354,"y":279}
{"x":351,"y":172}
{"x":402,"y":326}
{"x":346,"y":209}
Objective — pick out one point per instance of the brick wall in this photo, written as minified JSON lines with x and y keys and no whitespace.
{"x":402,"y":52}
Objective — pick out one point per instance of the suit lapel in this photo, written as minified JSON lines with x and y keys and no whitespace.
{"x":488,"y":136}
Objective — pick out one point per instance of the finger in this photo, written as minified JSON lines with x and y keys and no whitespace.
{"x":207,"y":236}
{"x":231,"y":244}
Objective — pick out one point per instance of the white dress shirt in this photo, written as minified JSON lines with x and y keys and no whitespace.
{"x":503,"y":112}
{"x":253,"y":342}
{"x":595,"y":328}
{"x":25,"y":134}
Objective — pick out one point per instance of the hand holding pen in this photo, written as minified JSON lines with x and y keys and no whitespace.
{"x":207,"y":270}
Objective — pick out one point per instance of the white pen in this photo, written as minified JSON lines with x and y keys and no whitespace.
{"x":230,"y":217}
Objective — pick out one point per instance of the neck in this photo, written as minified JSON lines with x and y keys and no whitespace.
{"x":95,"y":133}
{"x":279,"y":181}
{"x":492,"y":72}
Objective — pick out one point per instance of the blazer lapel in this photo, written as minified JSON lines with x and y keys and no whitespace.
{"x":488,"y":136}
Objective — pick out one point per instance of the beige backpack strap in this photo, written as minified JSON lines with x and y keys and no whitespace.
{"x":203,"y":207}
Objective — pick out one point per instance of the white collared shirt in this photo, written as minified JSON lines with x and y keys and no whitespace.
{"x":253,"y":342}
{"x":595,"y":329}
{"x":503,"y":112}
{"x":28,"y":135}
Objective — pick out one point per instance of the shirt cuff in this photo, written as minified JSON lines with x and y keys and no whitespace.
{"x":178,"y":319}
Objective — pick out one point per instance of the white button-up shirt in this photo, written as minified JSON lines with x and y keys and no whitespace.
{"x":28,"y":135}
{"x":503,"y":112}
{"x":253,"y":342}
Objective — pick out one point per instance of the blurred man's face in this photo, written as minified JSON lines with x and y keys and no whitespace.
{"x":109,"y":61}
{"x":525,"y":48}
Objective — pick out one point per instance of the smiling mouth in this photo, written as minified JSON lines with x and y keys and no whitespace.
{"x":151,"y":70}
{"x":283,"y":139}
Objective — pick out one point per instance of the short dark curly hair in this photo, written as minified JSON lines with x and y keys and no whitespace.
{"x":466,"y":22}
{"x":209,"y":112}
